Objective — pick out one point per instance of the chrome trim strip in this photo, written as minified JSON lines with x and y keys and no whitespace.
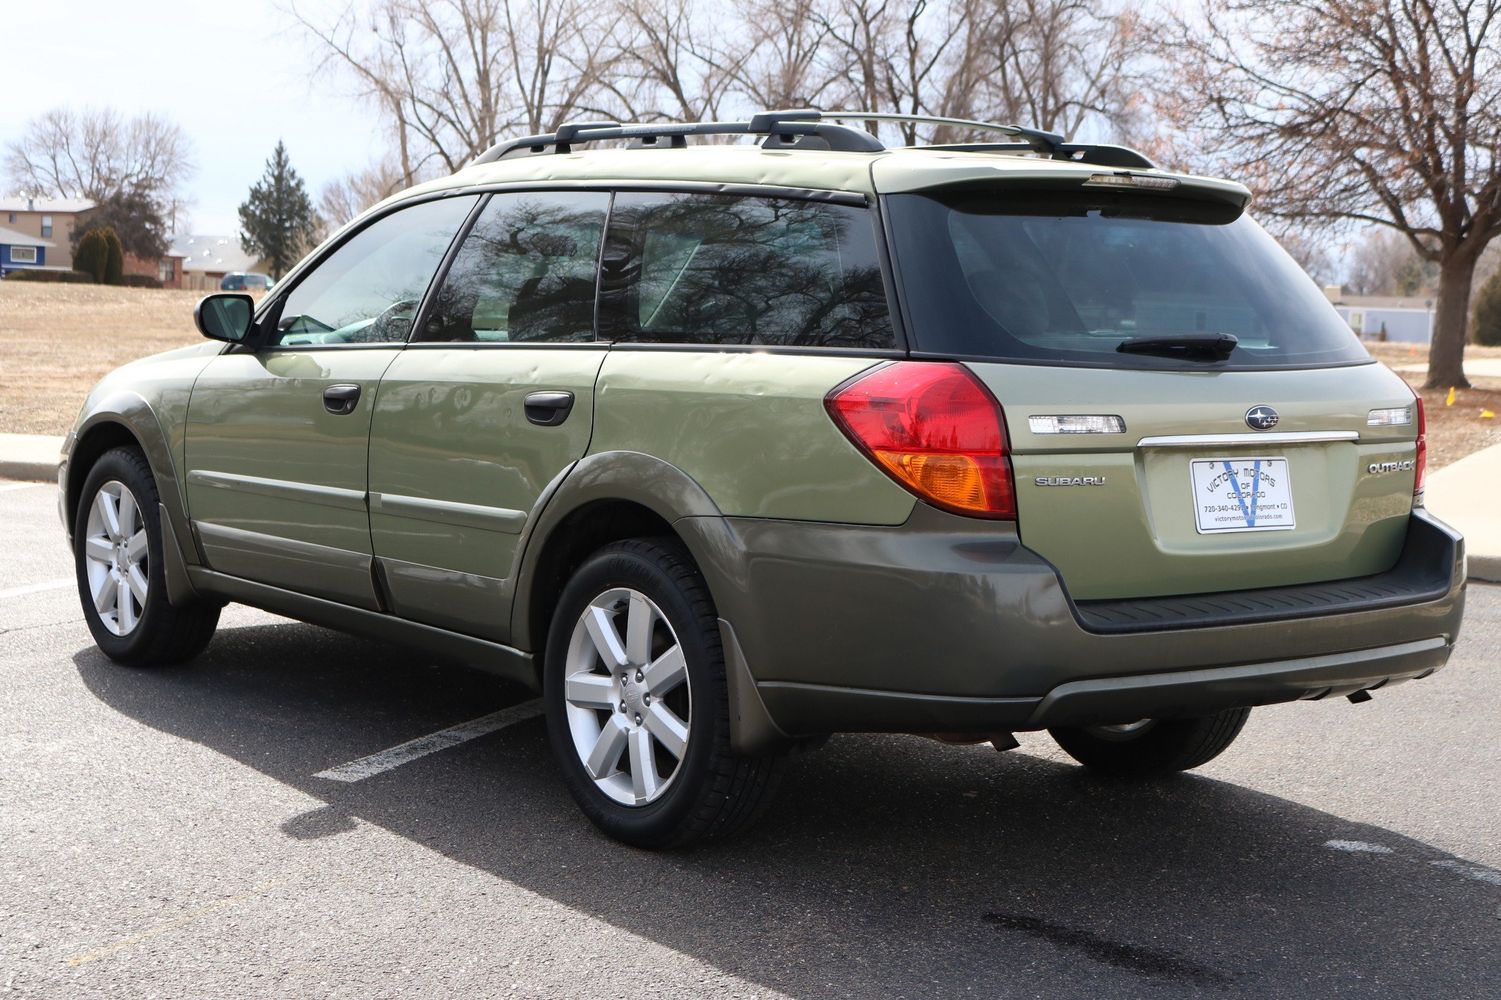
{"x":1253,"y":439}
{"x":280,"y":489}
{"x":463,"y":515}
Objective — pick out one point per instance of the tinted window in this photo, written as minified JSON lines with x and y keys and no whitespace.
{"x":526,"y":271}
{"x":368,"y":290}
{"x":1068,"y":278}
{"x":712,"y":269}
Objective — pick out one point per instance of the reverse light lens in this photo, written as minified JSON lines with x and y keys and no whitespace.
{"x":1395,"y":416}
{"x":1076,"y":423}
{"x":1131,"y":181}
{"x":936,"y":430}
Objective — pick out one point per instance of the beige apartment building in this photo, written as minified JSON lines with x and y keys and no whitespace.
{"x":48,"y":219}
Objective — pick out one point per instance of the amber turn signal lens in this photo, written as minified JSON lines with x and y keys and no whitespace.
{"x":936,"y":430}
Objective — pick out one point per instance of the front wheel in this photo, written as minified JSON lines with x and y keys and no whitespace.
{"x":637,"y":706}
{"x":122,"y":584}
{"x":1152,"y":746}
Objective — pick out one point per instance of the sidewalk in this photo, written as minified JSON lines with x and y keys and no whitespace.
{"x":1464,"y":494}
{"x":29,"y":457}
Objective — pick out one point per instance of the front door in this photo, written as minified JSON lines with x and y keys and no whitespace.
{"x":492,"y":401}
{"x":278,"y":432}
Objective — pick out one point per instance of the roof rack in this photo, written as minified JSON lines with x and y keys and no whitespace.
{"x":809,"y":128}
{"x":1033,"y":140}
{"x":784,"y":128}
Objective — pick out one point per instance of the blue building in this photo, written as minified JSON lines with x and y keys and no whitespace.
{"x":18,"y":251}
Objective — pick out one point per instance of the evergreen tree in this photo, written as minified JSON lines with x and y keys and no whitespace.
{"x":1488,"y":312}
{"x":92,"y":256}
{"x":114,"y":258}
{"x":135,"y":217}
{"x":277,"y":221}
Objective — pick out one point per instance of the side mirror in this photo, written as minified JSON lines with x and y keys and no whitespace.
{"x":224,"y":316}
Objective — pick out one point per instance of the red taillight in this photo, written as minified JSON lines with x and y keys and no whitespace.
{"x":1422,"y":457}
{"x":934,"y":428}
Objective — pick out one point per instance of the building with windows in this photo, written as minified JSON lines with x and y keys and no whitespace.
{"x":48,"y":223}
{"x":203,"y":261}
{"x":1385,"y":317}
{"x":18,"y":250}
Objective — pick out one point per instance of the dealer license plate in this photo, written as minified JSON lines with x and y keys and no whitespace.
{"x":1241,"y":494}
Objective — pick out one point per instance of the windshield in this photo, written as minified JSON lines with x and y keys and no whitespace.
{"x":1069,"y":278}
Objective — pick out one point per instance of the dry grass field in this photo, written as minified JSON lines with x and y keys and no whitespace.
{"x":56,"y":340}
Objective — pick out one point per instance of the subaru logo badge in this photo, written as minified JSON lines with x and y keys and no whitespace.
{"x":1262,"y":418}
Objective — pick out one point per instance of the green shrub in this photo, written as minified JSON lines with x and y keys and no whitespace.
{"x":70,"y":277}
{"x":92,"y":256}
{"x":140,"y":281}
{"x":114,"y":261}
{"x":1487,"y":322}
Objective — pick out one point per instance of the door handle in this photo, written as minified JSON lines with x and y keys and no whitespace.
{"x":549,"y":407}
{"x":341,"y":400}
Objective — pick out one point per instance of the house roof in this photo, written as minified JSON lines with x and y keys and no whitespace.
{"x":10,"y":237}
{"x":1423,"y":303}
{"x":59,"y":206}
{"x":201,"y":252}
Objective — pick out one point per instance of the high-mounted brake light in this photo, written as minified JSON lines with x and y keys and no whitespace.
{"x":1421,"y":461}
{"x":935,"y":429}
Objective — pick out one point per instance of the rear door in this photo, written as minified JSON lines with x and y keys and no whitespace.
{"x":1150,"y":460}
{"x":278,"y":435}
{"x":492,"y":401}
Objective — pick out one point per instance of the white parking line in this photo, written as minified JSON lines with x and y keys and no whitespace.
{"x":376,"y":763}
{"x":1487,"y":875}
{"x":37,"y":588}
{"x":7,"y":487}
{"x":1357,"y":847}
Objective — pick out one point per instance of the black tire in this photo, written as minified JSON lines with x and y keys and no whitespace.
{"x":164,"y":633}
{"x":714,"y":792}
{"x":1160,"y":747}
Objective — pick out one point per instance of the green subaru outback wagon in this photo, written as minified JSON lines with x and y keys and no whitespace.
{"x":723,"y":448}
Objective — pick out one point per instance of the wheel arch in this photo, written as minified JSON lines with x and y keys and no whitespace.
{"x":601,"y":499}
{"x":126,"y":419}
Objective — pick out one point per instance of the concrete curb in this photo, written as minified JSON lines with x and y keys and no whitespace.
{"x":1486,"y":569}
{"x":29,"y":457}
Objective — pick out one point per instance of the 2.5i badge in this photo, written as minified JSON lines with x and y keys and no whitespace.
{"x":1241,"y":494}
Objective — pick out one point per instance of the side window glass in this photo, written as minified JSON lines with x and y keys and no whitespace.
{"x":368,"y":290}
{"x":716,"y":269}
{"x":526,"y":271}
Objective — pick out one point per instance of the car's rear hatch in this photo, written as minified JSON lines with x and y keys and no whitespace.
{"x":1153,"y":456}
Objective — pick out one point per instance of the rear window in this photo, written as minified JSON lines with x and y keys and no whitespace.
{"x":717,"y":269}
{"x":1067,"y":278}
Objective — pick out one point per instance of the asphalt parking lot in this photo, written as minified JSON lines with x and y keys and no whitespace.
{"x":184,"y":833}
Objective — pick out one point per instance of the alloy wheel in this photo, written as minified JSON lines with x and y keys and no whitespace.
{"x":627,"y":697}
{"x":115,"y":557}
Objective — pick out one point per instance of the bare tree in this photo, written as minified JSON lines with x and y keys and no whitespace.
{"x":98,"y":154}
{"x":451,"y":76}
{"x":345,"y":197}
{"x":1384,"y":263}
{"x":1386,"y":112}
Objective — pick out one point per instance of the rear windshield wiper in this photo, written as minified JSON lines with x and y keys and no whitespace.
{"x":1194,"y":346}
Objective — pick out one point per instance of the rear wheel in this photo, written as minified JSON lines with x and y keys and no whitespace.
{"x":117,"y":544}
{"x":637,"y":706}
{"x":1152,"y":746}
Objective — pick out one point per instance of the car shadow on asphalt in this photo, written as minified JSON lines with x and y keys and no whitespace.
{"x":887,"y":865}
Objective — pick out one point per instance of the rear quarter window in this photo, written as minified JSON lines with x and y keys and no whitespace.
{"x":719,"y":270}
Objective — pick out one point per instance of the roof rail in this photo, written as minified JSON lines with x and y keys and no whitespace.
{"x":789,"y":128}
{"x":1034,"y":140}
{"x":810,"y":128}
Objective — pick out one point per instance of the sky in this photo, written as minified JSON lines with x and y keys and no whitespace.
{"x":235,"y":76}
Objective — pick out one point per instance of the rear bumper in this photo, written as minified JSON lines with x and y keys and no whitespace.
{"x":943,"y":625}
